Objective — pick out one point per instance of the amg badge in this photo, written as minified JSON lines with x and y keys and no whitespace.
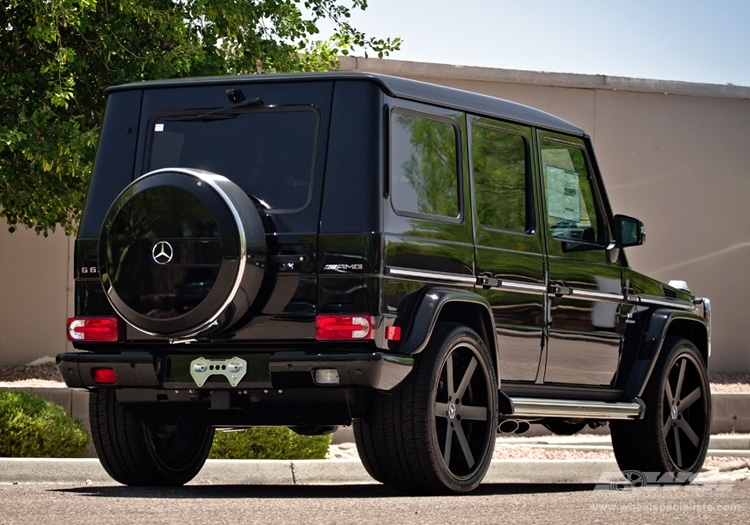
{"x":344,"y":268}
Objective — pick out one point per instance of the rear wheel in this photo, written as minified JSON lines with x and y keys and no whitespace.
{"x":136,"y":453}
{"x":671,"y":441}
{"x":436,"y":433}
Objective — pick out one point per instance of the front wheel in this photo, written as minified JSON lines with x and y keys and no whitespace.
{"x":137,"y":453}
{"x":436,"y":433}
{"x":671,"y":441}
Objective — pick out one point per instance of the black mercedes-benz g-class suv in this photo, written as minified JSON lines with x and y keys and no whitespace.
{"x":424,"y":263}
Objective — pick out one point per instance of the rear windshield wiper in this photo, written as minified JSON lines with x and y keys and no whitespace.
{"x":220,"y":113}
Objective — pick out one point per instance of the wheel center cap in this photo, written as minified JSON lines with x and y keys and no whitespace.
{"x":451,"y":410}
{"x":673,"y":412}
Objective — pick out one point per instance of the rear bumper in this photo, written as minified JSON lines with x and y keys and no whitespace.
{"x":375,"y":370}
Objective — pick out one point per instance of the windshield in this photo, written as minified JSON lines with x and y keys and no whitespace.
{"x":268,"y":152}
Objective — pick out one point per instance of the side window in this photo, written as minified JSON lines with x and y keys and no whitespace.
{"x":572,"y":214}
{"x":424,"y":166}
{"x":501,"y":177}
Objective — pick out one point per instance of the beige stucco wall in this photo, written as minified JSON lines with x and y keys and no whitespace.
{"x":35,"y":281}
{"x":672,"y":154}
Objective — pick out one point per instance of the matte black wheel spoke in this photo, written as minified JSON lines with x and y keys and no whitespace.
{"x":668,"y":393}
{"x":680,"y":379}
{"x":677,"y":447}
{"x":474,"y":413}
{"x":449,"y":373}
{"x":465,"y":449}
{"x":667,"y":425}
{"x":689,"y":399}
{"x":689,"y":432}
{"x":461,"y":390}
{"x":448,"y":444}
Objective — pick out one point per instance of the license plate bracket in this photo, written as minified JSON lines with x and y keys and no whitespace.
{"x":233,"y":369}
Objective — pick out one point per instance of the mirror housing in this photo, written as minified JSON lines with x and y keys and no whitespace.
{"x":629,"y":231}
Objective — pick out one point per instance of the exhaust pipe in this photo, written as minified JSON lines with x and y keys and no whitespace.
{"x":523,"y":427}
{"x":513,"y":426}
{"x":508,"y":426}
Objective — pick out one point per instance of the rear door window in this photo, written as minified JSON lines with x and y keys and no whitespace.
{"x":501,"y":174}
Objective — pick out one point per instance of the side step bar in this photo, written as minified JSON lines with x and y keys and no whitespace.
{"x":528,"y":407}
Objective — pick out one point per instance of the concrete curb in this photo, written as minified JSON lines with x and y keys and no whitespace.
{"x":306,"y":472}
{"x":325,"y":472}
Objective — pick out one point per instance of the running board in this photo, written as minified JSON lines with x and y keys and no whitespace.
{"x":528,"y":407}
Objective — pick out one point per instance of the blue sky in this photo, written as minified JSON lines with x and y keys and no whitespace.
{"x":689,"y":40}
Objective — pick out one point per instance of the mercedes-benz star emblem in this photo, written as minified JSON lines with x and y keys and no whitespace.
{"x":162,"y":252}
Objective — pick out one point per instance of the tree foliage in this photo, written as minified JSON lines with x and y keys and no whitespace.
{"x":58,"y":56}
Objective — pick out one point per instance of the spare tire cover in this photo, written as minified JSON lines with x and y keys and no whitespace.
{"x":182,"y":253}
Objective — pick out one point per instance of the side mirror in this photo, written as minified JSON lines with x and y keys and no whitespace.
{"x":629,"y":231}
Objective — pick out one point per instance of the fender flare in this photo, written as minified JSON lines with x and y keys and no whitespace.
{"x":652,"y":343}
{"x":423,"y":308}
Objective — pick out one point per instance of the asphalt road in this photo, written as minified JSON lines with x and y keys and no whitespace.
{"x":718,"y":503}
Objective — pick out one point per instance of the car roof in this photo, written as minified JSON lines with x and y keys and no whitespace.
{"x":395,"y":86}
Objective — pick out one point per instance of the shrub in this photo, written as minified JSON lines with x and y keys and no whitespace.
{"x":31,"y":427}
{"x":268,"y":443}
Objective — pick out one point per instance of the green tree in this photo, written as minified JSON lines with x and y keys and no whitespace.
{"x":58,"y":56}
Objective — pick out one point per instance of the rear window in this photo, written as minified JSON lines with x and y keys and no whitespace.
{"x":268,"y":152}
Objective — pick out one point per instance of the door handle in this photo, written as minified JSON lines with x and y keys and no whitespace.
{"x":559,"y":289}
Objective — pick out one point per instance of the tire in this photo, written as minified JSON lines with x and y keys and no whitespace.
{"x":376,"y":439}
{"x":135,"y":453}
{"x":670,"y":443}
{"x":182,"y":253}
{"x":436,"y":433}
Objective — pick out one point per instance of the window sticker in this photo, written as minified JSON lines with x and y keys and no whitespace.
{"x":158,"y":127}
{"x":563,"y":194}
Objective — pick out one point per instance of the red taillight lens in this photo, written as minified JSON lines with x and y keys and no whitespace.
{"x":99,"y":329}
{"x":344,"y":327}
{"x":393,"y":333}
{"x":104,"y":376}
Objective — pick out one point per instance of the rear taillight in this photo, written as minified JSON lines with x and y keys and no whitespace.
{"x":94,"y":329}
{"x":344,"y":327}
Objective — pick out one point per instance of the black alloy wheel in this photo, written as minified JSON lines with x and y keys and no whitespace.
{"x":670,"y":443}
{"x":436,"y":433}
